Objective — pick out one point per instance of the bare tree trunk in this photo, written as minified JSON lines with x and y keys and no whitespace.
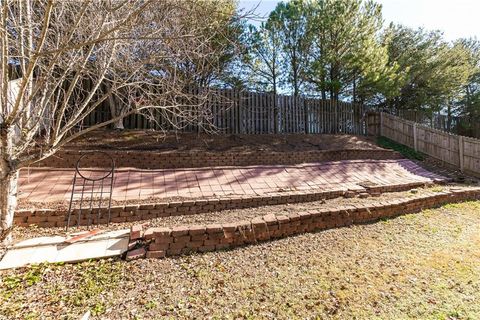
{"x":8,"y":200}
{"x":9,"y":135}
{"x":354,"y":89}
{"x":115,"y":108}
{"x":115,"y":111}
{"x":449,"y":116}
{"x":324,"y":91}
{"x":275,"y":108}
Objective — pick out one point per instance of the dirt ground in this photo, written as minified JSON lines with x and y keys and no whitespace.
{"x":233,"y":215}
{"x":418,"y":266}
{"x":155,"y":140}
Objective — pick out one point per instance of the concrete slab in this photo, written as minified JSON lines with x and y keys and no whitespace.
{"x":17,"y":258}
{"x":54,"y":249}
{"x":47,"y":253}
{"x":39,"y":241}
{"x":111,"y":235}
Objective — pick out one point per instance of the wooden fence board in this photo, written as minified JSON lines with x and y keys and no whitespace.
{"x":235,"y":112}
{"x":462,"y":152}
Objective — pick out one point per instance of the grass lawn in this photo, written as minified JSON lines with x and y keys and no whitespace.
{"x":420,"y":266}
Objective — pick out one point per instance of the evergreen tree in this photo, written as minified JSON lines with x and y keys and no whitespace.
{"x":345,"y":55}
{"x":264,"y":58}
{"x":434,"y":71}
{"x":291,"y":20}
{"x":468,"y":106}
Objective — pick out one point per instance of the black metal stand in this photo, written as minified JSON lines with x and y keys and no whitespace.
{"x":88,"y":191}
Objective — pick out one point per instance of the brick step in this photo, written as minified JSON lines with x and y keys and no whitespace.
{"x":161,"y":242}
{"x":131,"y":213}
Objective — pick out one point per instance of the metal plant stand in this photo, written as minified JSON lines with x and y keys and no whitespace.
{"x":91,"y":192}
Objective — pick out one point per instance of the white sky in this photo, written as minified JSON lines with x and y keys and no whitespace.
{"x":456,"y":18}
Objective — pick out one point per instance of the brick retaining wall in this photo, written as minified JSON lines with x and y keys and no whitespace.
{"x":195,"y":159}
{"x":131,"y":213}
{"x":161,"y":242}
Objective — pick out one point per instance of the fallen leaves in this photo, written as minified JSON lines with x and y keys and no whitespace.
{"x":347,"y":273}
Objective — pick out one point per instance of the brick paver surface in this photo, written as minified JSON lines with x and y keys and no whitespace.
{"x":47,"y":185}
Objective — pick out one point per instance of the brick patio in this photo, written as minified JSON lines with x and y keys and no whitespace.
{"x":47,"y":185}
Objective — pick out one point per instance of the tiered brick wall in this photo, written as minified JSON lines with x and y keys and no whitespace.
{"x":195,"y":159}
{"x":130,"y":213}
{"x":162,"y":242}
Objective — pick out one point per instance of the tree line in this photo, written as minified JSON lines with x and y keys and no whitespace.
{"x":342,"y":49}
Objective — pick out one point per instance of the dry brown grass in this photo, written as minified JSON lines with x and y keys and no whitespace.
{"x":420,"y":266}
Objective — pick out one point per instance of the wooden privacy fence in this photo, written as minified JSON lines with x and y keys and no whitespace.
{"x":462,"y":125}
{"x":241,"y":112}
{"x":462,"y":152}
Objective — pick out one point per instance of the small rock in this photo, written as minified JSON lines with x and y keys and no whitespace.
{"x":414,"y":191}
{"x":363,"y":195}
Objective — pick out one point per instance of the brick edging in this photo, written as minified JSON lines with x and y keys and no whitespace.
{"x":196,"y":159}
{"x":161,"y":242}
{"x":131,"y":213}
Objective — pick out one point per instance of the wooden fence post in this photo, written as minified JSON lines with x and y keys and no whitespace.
{"x":306,"y":110}
{"x":241,"y":112}
{"x":460,"y":151}
{"x":415,"y":140}
{"x":381,"y":123}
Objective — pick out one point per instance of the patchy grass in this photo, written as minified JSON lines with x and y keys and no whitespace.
{"x":82,"y":286}
{"x":418,"y":266}
{"x":407,"y":152}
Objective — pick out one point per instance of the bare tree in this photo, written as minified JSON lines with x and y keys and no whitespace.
{"x":73,"y":55}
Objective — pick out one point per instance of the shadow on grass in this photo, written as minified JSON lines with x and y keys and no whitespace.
{"x":407,"y":152}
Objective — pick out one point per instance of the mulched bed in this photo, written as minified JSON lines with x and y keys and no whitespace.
{"x":155,"y":140}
